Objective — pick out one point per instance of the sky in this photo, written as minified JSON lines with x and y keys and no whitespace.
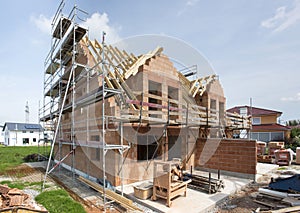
{"x":253,"y":46}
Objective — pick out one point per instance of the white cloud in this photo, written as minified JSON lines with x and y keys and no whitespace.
{"x":272,"y":22}
{"x":188,"y":4}
{"x":283,"y":19}
{"x":98,"y":23}
{"x":191,"y":2}
{"x":42,"y":23}
{"x":294,"y":98}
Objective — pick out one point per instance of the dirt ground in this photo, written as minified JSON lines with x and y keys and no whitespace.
{"x":24,"y":173}
{"x":242,"y":201}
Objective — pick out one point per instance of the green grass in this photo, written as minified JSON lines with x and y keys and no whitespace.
{"x":12,"y":156}
{"x":58,"y":201}
{"x":282,"y":168}
{"x":55,"y":201}
{"x":22,"y":185}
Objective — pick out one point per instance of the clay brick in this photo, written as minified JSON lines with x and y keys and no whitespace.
{"x":236,"y":156}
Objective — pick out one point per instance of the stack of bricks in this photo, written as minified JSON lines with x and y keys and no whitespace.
{"x":273,"y":146}
{"x":298,"y":155}
{"x":261,"y":147}
{"x":227,"y":155}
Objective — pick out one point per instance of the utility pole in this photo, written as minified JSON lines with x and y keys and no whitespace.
{"x":26,"y":113}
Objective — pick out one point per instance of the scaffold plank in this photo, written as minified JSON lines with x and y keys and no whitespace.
{"x":62,"y":27}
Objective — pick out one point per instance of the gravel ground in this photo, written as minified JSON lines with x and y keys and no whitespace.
{"x":242,"y":201}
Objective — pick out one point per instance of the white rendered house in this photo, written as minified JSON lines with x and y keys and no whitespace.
{"x":22,"y":134}
{"x":1,"y":135}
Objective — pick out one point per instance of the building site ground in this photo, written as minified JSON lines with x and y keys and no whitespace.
{"x":237,"y":196}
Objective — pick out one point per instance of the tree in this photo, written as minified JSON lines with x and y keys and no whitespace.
{"x":293,"y":123}
{"x":294,"y":139}
{"x":295,"y":132}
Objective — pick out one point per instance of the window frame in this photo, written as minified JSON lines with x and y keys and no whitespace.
{"x":256,"y":123}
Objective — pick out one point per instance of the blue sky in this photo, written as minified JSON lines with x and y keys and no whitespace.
{"x":254,"y":46}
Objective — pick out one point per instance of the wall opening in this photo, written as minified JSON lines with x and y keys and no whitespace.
{"x":147,"y":147}
{"x":155,"y":94}
{"x":174,"y":147}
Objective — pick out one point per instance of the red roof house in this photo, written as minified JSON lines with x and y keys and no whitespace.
{"x":264,"y":123}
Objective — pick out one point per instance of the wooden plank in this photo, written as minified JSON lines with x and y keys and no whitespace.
{"x":127,"y":203}
{"x":292,"y":201}
{"x":154,"y":96}
{"x":21,"y":209}
{"x":52,"y":67}
{"x":264,"y":203}
{"x":284,"y":210}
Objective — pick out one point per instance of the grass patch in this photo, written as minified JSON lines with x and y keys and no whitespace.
{"x":58,"y":201}
{"x":18,"y":185}
{"x":12,"y":156}
{"x":21,"y":185}
{"x":282,"y":168}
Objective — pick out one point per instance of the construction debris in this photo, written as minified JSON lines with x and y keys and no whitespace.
{"x":275,"y":200}
{"x":14,"y":199}
{"x":281,"y":200}
{"x":282,"y":195}
{"x":208,"y":184}
{"x":290,"y":184}
{"x":284,"y":210}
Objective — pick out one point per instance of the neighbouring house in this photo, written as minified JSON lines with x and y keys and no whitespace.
{"x":22,"y":134}
{"x":1,"y":135}
{"x":265,"y":126}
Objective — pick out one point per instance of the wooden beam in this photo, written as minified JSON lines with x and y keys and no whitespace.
{"x":88,"y":43}
{"x":284,"y":210}
{"x":124,"y":61}
{"x":115,"y":57}
{"x":128,"y":204}
{"x":141,"y":61}
{"x":133,"y":56}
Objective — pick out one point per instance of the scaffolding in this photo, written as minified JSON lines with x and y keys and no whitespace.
{"x":63,"y":69}
{"x":74,"y":60}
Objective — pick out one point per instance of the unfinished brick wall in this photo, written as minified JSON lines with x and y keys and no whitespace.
{"x":226,"y":154}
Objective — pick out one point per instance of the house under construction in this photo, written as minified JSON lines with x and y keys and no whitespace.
{"x":113,"y":113}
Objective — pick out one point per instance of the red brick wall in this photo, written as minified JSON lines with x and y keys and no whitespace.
{"x":227,"y":154}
